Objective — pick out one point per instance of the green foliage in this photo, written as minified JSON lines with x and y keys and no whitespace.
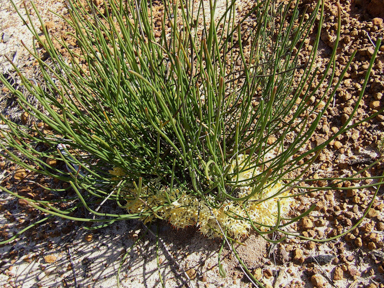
{"x":136,"y":110}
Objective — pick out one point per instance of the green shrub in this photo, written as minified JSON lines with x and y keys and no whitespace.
{"x":191,"y":121}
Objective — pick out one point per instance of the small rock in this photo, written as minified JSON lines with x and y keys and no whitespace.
{"x":374,"y":104}
{"x":372,"y":213}
{"x":306,"y":223}
{"x":351,"y":193}
{"x":380,"y":226}
{"x":347,"y":39}
{"x":344,"y":118}
{"x":191,"y":273}
{"x":50,"y":258}
{"x":46,"y":126}
{"x":24,"y":118}
{"x":325,"y":129}
{"x":354,"y":32}
{"x":320,"y":233}
{"x":371,"y":246}
{"x":321,"y":105}
{"x":377,"y":21}
{"x":27,"y":259}
{"x":6,"y":37}
{"x":271,"y":140}
{"x":338,"y":274}
{"x":311,"y":245}
{"x":337,"y":145}
{"x":353,"y":271}
{"x":298,"y":255}
{"x":280,"y":279}
{"x":320,"y":223}
{"x":22,"y":202}
{"x":258,"y":274}
{"x":312,"y":233}
{"x":350,"y":258}
{"x":41,"y":276}
{"x":20,"y":174}
{"x":317,"y":280}
{"x":88,"y":237}
{"x":50,"y":270}
{"x":370,"y":52}
{"x":367,"y":227}
{"x":379,"y":206}
{"x":358,"y":242}
{"x":329,"y":198}
{"x":282,"y":256}
{"x":319,"y":206}
{"x":320,"y":140}
{"x":363,"y":52}
{"x":267,"y":273}
{"x":348,"y":110}
{"x":372,"y":286}
{"x":356,"y":199}
{"x":374,"y":237}
{"x":347,"y":82}
{"x":51,"y":162}
{"x":335,"y":129}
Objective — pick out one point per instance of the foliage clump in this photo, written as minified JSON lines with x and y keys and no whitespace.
{"x":198,"y":122}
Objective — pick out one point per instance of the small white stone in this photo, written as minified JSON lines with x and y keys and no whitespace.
{"x":6,"y":37}
{"x":41,"y":276}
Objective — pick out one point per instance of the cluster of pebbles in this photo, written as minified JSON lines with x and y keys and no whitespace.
{"x":354,"y":260}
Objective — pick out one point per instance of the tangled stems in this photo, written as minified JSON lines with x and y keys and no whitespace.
{"x":157,"y":118}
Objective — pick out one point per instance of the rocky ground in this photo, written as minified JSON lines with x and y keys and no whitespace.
{"x":62,"y":253}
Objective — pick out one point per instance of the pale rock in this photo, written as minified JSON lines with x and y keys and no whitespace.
{"x":317,"y":281}
{"x":372,"y":213}
{"x":377,"y":21}
{"x":306,"y":223}
{"x":50,"y":258}
{"x":298,"y":255}
{"x":6,"y":37}
{"x":375,"y":105}
{"x":258,"y":274}
{"x":337,"y":145}
{"x":338,"y":274}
